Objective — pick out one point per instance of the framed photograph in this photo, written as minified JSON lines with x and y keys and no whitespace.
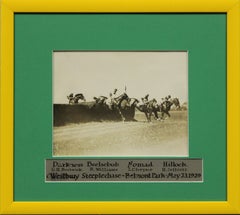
{"x":120,"y":107}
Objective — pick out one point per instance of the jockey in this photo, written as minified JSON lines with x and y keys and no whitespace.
{"x":71,"y":98}
{"x":166,"y":101}
{"x":114,"y":102}
{"x":111,"y":101}
{"x":145,"y":99}
{"x":155,"y":102}
{"x":166,"y":98}
{"x":114,"y":96}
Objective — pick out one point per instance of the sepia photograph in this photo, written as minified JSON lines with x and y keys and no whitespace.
{"x":120,"y":103}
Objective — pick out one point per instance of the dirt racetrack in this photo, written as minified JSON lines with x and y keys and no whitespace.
{"x":140,"y":138}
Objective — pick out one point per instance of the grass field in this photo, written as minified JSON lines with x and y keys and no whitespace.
{"x":140,"y":138}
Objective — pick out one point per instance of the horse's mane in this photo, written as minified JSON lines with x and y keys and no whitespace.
{"x":100,"y":97}
{"x":121,"y":97}
{"x":151,"y":101}
{"x":79,"y":95}
{"x":133,"y":100}
{"x":104,"y":97}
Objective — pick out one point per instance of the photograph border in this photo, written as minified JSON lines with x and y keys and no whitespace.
{"x":7,"y":203}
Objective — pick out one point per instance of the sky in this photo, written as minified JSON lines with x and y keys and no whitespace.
{"x":98,"y":73}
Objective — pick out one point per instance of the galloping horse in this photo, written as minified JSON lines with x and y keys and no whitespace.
{"x":74,"y":99}
{"x":100,"y":100}
{"x":165,"y":107}
{"x":176,"y":102}
{"x":133,"y":102}
{"x":126,"y":106}
{"x":122,"y":100}
{"x":149,"y":108}
{"x":120,"y":103}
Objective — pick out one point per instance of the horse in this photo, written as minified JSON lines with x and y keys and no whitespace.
{"x":165,"y":107}
{"x":100,"y":100}
{"x":74,"y":99}
{"x":133,"y":102}
{"x":127,"y":107}
{"x":119,"y":103}
{"x":149,"y":108}
{"x":100,"y":104}
{"x":123,"y":97}
{"x":176,"y":102}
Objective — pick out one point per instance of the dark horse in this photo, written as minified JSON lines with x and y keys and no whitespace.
{"x":100,"y":100}
{"x":126,"y":107}
{"x":149,"y":108}
{"x":122,"y":100}
{"x":120,"y":104}
{"x":176,"y":102}
{"x":74,"y":99}
{"x":165,"y":107}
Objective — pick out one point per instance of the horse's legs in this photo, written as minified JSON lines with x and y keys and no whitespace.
{"x":162,"y":115}
{"x":71,"y":101}
{"x":146,"y":114}
{"x":168,"y":114}
{"x":119,"y":111}
{"x":156,"y":114}
{"x":150,"y":115}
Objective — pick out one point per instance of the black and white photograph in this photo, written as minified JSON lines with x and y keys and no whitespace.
{"x":120,"y":103}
